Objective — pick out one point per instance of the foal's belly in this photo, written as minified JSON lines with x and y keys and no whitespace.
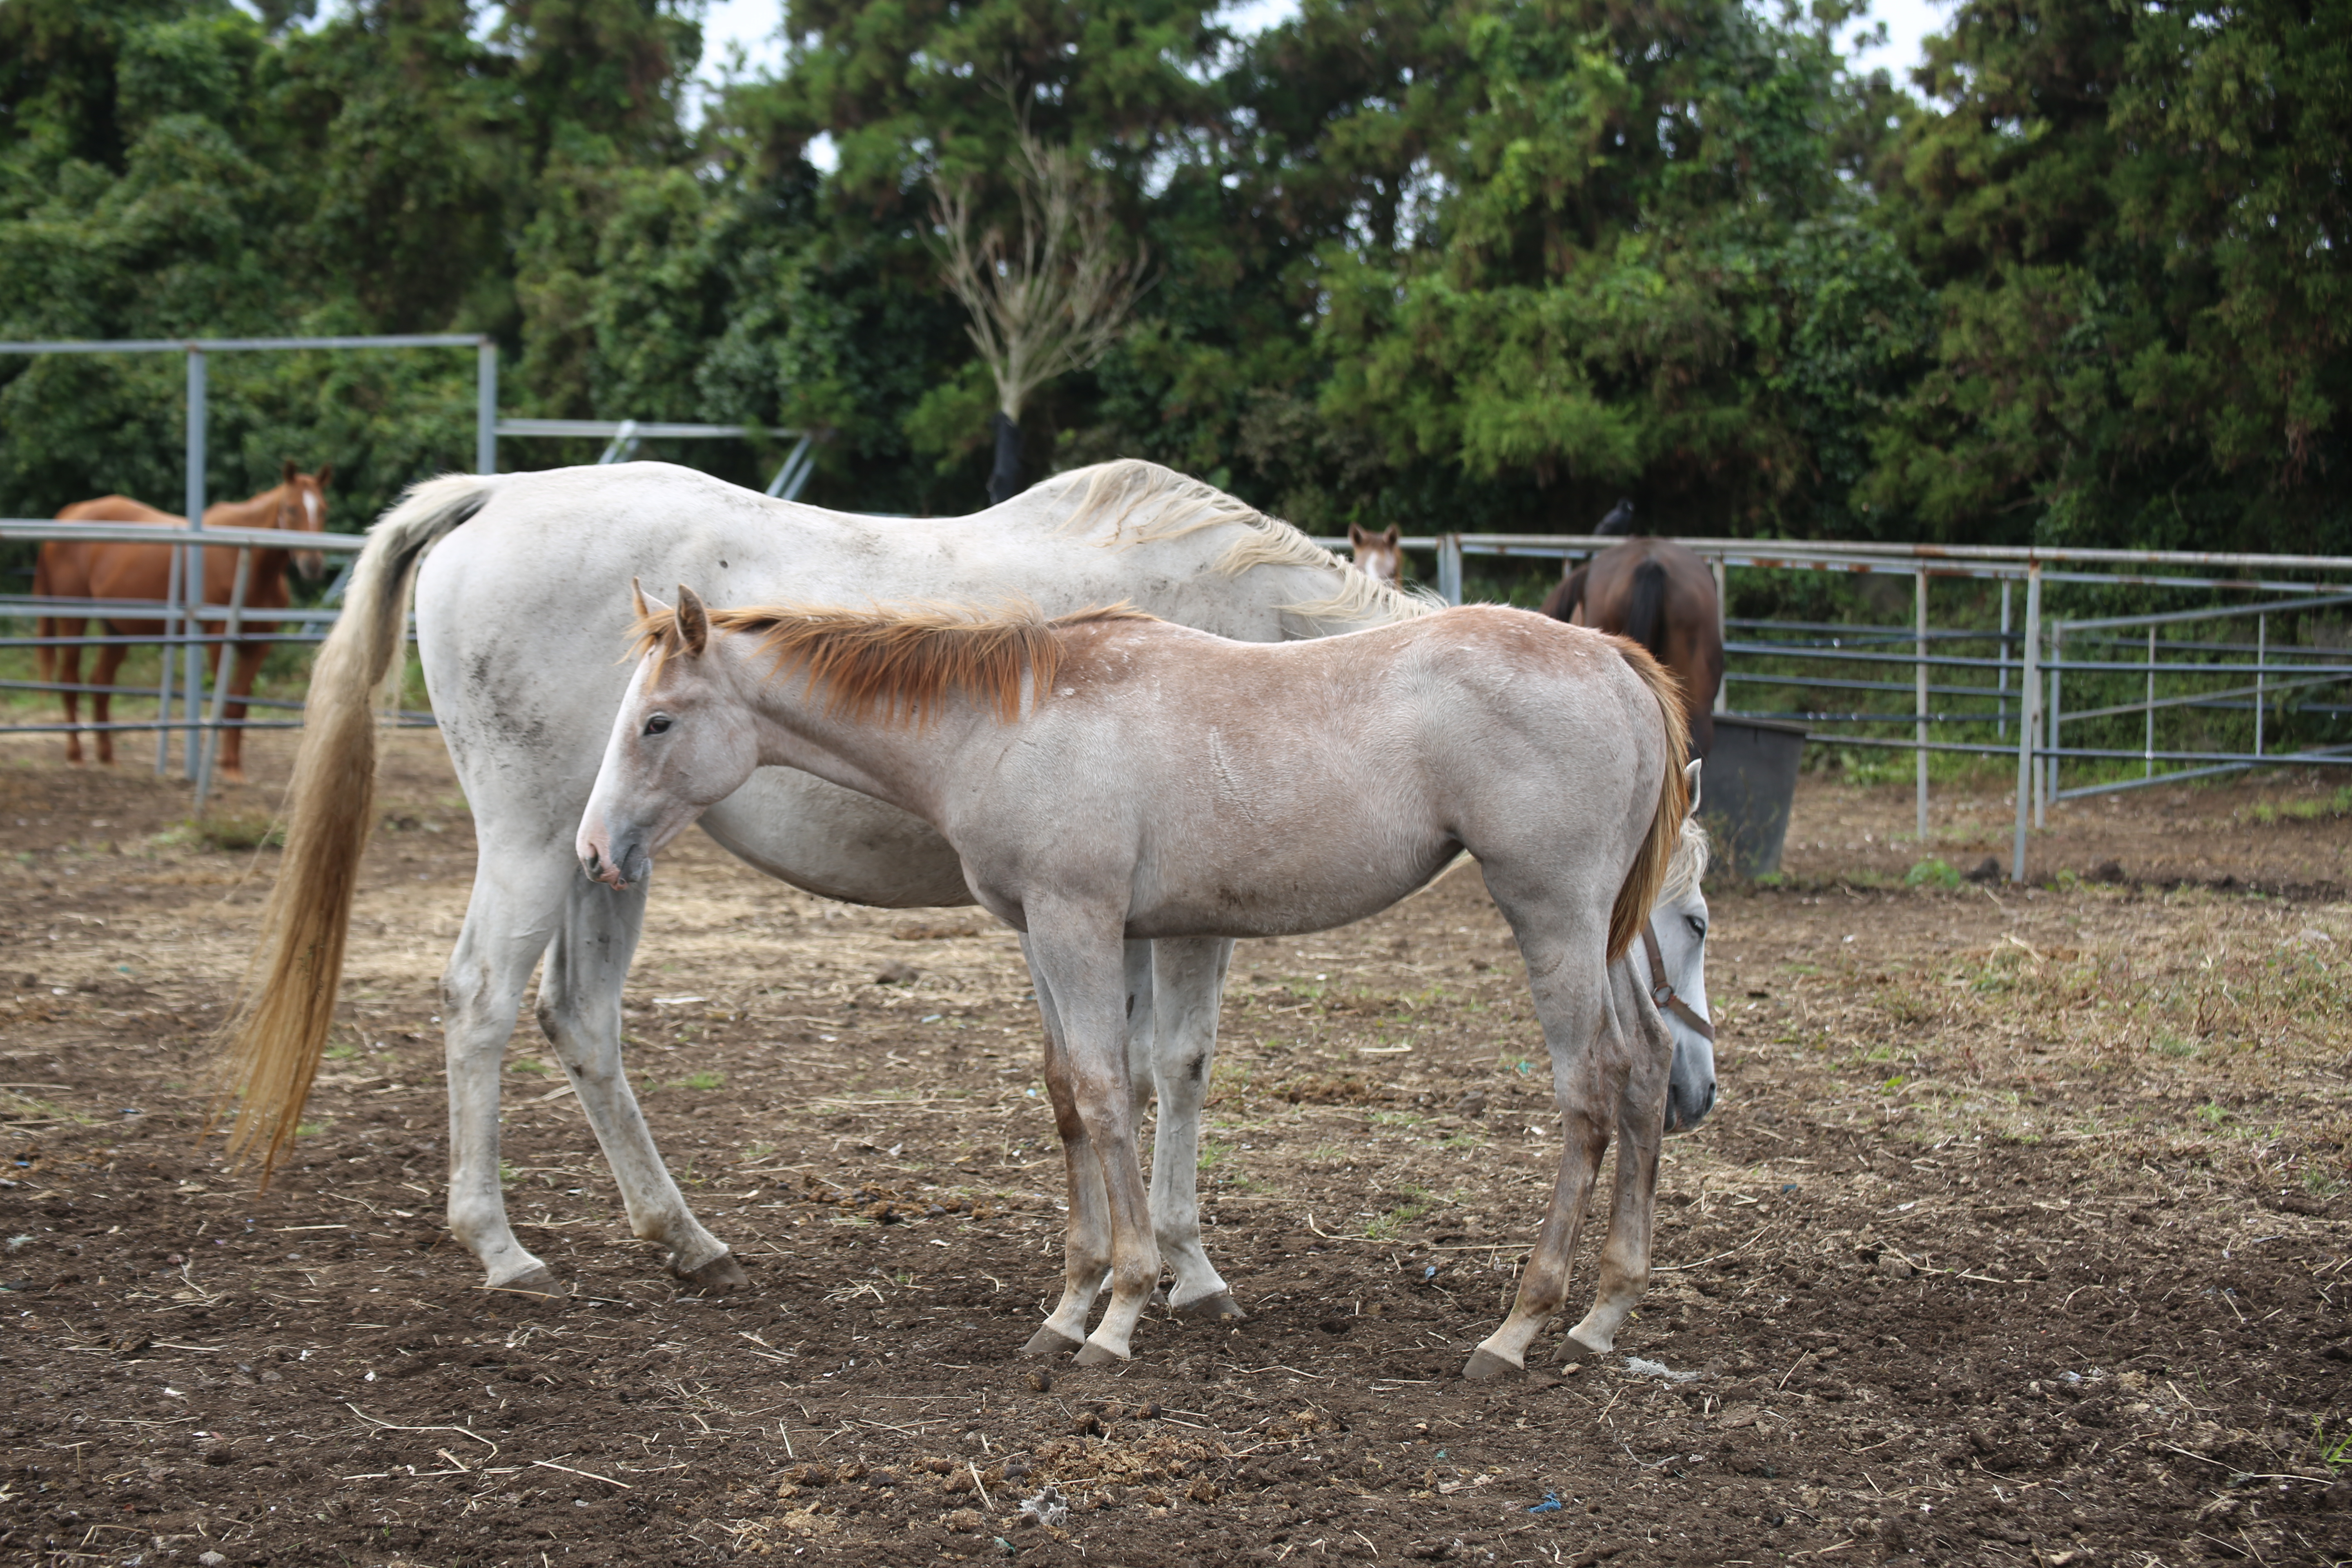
{"x":1283,"y":896}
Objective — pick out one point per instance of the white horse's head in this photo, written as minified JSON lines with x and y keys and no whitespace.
{"x":684,"y":741}
{"x":1679,"y":919}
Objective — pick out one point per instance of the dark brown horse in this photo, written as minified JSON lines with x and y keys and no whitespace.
{"x":70,"y":569}
{"x":1663,"y":596}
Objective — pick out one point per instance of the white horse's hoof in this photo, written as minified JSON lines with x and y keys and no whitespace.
{"x":1047,"y":1342}
{"x":1093,"y":1354}
{"x":716,"y":1277}
{"x":1486,"y":1365}
{"x":539,"y":1285}
{"x":1220,"y":1308}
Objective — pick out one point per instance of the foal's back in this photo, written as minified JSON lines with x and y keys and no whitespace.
{"x":1215,"y":763}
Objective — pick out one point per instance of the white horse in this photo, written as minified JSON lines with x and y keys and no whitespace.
{"x":520,"y":609}
{"x":1108,"y":776}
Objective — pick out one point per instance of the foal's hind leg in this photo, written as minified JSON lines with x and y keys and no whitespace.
{"x":1188,"y":982}
{"x":1085,"y":1242}
{"x":1640,"y":1127}
{"x":580,"y":1011}
{"x":1566,"y":971}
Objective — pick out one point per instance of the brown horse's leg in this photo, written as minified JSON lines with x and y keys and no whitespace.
{"x":1641,"y":1126}
{"x":1086,"y":1245}
{"x":101,"y":697}
{"x":240,"y":687}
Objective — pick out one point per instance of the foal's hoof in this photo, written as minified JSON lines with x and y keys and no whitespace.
{"x":1046,"y":1342}
{"x":1093,"y":1354}
{"x":1573,"y":1351}
{"x":1485,"y":1366}
{"x":1220,"y":1308}
{"x":538,"y":1286}
{"x":716,"y":1277}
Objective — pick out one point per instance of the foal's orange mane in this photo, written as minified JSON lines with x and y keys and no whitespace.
{"x":902,"y":662}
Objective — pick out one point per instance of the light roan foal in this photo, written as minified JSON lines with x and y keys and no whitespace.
{"x":1108,"y":775}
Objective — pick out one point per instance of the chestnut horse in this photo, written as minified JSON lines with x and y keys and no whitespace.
{"x":1662,"y":596}
{"x":70,"y":569}
{"x":1379,"y":556}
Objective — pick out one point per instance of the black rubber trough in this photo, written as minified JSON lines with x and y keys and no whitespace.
{"x":1745,"y":789}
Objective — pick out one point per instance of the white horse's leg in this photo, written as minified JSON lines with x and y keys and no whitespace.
{"x":508,"y":922}
{"x":1086,"y":1241}
{"x":1076,"y":956}
{"x":1566,"y":971}
{"x":1188,"y":982}
{"x":580,"y":1011}
{"x":1641,"y":1128}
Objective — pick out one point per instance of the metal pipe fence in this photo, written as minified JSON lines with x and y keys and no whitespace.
{"x":188,"y":633}
{"x":2224,"y":703}
{"x":2179,"y":670}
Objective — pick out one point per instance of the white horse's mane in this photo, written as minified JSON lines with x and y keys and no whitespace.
{"x":1688,"y":865}
{"x":1137,"y":502}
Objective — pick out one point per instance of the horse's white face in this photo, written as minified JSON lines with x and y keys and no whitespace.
{"x":1376,"y":556}
{"x":1680,"y":925}
{"x":680,"y":744}
{"x":302,"y":509}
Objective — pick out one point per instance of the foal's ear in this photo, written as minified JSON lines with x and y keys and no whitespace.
{"x":1355,"y":537}
{"x":1390,"y":536}
{"x":291,"y":472}
{"x":693,"y":623}
{"x":1690,"y":779}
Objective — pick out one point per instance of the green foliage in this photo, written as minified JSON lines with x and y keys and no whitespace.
{"x":2131,"y":217}
{"x":1474,"y":264}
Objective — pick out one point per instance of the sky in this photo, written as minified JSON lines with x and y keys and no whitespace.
{"x":757,"y":26}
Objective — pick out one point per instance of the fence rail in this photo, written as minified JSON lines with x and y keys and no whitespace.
{"x":2216,"y":686}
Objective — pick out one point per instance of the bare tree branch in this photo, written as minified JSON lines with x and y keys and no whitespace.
{"x":1059,"y":297}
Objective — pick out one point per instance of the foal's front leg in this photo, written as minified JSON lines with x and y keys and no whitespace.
{"x":1085,"y":1239}
{"x":1641,"y":1128}
{"x":1571,"y":995}
{"x":1076,"y":956}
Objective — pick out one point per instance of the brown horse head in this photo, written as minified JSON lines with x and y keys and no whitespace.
{"x":302,"y":509}
{"x":1378,"y":556}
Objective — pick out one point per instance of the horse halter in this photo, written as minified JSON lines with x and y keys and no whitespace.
{"x":1662,"y":990}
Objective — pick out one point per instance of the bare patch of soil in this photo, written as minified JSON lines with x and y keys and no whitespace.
{"x":2019,"y":1236}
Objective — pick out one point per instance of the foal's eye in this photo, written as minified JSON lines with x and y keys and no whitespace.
{"x":658,"y":725}
{"x":1697,"y":926}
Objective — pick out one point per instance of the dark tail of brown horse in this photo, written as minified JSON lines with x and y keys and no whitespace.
{"x":1646,"y":609}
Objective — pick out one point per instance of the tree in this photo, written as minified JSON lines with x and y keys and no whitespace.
{"x":1053,"y":302}
{"x":2133,"y":219}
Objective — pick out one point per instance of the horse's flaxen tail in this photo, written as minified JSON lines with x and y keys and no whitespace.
{"x":279,"y":1031}
{"x":1645,"y":609}
{"x":1648,"y":877}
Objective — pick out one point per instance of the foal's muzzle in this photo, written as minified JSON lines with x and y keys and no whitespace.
{"x":1687,"y":1104}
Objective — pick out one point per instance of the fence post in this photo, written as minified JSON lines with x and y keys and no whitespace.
{"x":1449,"y":567}
{"x":1722,"y":611}
{"x":2049,"y":768}
{"x":2147,"y":769}
{"x":229,"y":630}
{"x":192,"y":573}
{"x":486,"y":406}
{"x":2002,"y":656}
{"x":2262,"y":657}
{"x":1919,"y":667}
{"x":2025,"y":718}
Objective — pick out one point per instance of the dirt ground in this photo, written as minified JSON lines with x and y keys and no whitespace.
{"x":2016,"y":1237}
